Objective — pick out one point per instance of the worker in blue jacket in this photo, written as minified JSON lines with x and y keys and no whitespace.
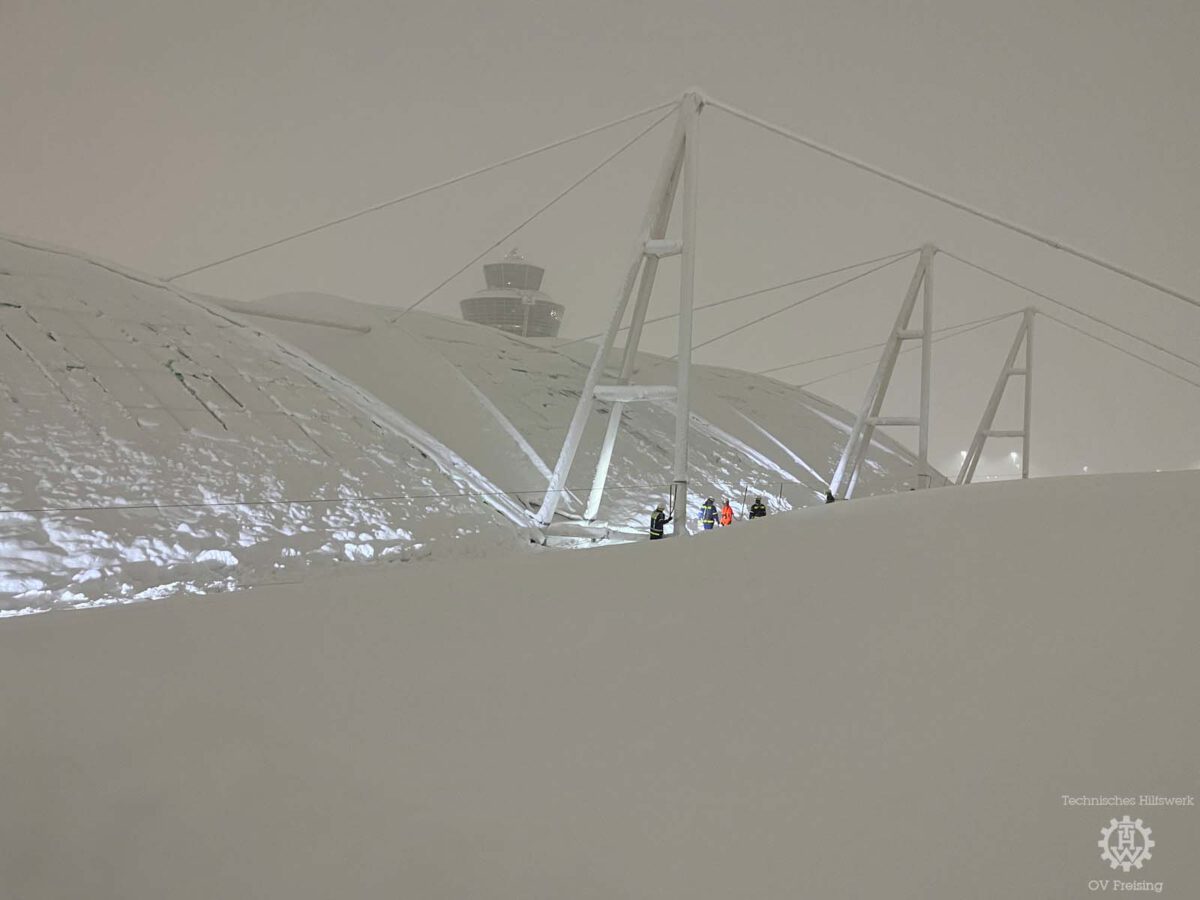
{"x":708,"y":514}
{"x":658,"y":522}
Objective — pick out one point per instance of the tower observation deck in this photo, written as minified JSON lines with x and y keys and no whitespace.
{"x":513,"y":301}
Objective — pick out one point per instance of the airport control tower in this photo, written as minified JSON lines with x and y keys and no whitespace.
{"x":513,"y":301}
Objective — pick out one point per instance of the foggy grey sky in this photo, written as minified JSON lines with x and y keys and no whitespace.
{"x":164,"y":134}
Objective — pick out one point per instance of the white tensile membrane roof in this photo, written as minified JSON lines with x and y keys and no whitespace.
{"x":156,"y":442}
{"x":886,"y":698}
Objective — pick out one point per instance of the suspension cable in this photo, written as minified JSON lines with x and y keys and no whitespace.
{"x":950,"y":201}
{"x":979,"y":323}
{"x":747,"y":296}
{"x":982,"y":322}
{"x":805,"y":299}
{"x":1118,"y":347}
{"x":804,"y":362}
{"x":426,"y":190}
{"x":1074,"y":309}
{"x":557,"y":197}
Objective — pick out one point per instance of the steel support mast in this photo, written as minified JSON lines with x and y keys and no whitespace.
{"x":680,"y":161}
{"x":986,"y":427}
{"x":687,"y":286}
{"x":859,"y":441}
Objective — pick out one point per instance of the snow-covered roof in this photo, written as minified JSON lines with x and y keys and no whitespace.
{"x":155,"y":441}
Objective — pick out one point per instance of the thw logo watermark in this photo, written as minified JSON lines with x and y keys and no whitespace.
{"x":1125,"y":844}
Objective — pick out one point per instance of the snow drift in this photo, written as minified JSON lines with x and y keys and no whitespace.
{"x":884,"y":698}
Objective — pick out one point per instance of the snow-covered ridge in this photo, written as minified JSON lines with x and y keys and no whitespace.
{"x":877,"y":699}
{"x":154,"y":441}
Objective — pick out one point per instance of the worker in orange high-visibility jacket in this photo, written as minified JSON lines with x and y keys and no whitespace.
{"x":726,"y":513}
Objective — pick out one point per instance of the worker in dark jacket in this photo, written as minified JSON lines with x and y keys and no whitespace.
{"x":658,"y":521}
{"x":708,"y":514}
{"x":758,"y":509}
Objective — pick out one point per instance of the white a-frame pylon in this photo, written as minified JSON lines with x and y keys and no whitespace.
{"x":859,"y":441}
{"x":681,"y":160}
{"x":1024,"y":336}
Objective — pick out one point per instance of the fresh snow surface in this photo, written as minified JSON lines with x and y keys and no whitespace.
{"x":198,"y":418}
{"x":883,"y":698}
